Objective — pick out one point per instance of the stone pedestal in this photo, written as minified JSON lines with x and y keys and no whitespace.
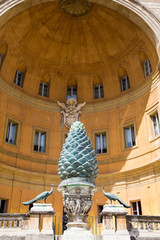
{"x":114,"y":223}
{"x":38,"y":210}
{"x":77,"y":201}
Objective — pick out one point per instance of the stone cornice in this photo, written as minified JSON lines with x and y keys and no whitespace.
{"x":148,"y":86}
{"x":55,"y":161}
{"x":139,"y":175}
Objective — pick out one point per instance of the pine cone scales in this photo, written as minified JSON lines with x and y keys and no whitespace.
{"x":77,"y":158}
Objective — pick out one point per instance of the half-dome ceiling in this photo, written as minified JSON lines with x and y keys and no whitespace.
{"x":46,"y":32}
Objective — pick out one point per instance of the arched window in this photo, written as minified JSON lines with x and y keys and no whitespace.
{"x":20,"y":74}
{"x":146,"y":64}
{"x":98,"y":91}
{"x":72,"y":89}
{"x":44,"y":86}
{"x":3,"y":52}
{"x":124,"y":79}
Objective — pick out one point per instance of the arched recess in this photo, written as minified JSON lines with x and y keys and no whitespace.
{"x":98,"y":88}
{"x":20,"y":74}
{"x":44,"y":85}
{"x":123,"y":79}
{"x":72,"y":88}
{"x":132,"y":10}
{"x":145,"y":63}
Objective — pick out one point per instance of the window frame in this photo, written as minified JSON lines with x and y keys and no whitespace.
{"x":72,"y":91}
{"x":157,"y":122}
{"x":99,"y":132}
{"x":42,"y":89}
{"x":15,"y":121}
{"x":5,"y":205}
{"x":99,"y":91}
{"x":40,"y":130}
{"x":151,"y":112}
{"x":16,"y":78}
{"x":127,"y":125}
{"x":147,"y":67}
{"x":127,"y":83}
{"x":139,"y":211}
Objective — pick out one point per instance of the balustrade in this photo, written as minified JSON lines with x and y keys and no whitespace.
{"x":138,"y":226}
{"x":141,"y":226}
{"x":13,"y":221}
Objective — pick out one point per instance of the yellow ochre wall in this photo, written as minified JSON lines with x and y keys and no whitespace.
{"x":46,"y":47}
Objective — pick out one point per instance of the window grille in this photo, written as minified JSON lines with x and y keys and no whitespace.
{"x":155,"y":122}
{"x":40,"y":141}
{"x":11,"y":132}
{"x":44,"y":89}
{"x":125,"y":84}
{"x":18,"y":80}
{"x":101,"y":144}
{"x":72,"y":92}
{"x":98,"y":91}
{"x":129,"y":136}
{"x":147,"y":68}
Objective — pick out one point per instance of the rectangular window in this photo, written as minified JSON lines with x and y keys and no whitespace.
{"x":40,"y":141}
{"x":3,"y":206}
{"x":129,"y":134}
{"x":125,"y":83}
{"x":98,"y":91}
{"x":18,"y":80}
{"x":11,"y":135}
{"x":155,"y":124}
{"x":136,"y":208}
{"x":147,"y":68}
{"x":44,"y":89}
{"x":72,"y":92}
{"x":101,"y":143}
{"x":100,"y":218}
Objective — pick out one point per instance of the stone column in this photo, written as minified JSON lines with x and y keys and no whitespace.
{"x":114,"y":223}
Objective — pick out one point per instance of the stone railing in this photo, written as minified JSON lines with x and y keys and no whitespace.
{"x":13,"y":221}
{"x":141,"y":227}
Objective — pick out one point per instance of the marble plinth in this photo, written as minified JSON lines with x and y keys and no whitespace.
{"x":77,"y":233}
{"x":46,"y":211}
{"x":114,"y":223}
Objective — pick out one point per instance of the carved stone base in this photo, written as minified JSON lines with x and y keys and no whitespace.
{"x":77,"y":201}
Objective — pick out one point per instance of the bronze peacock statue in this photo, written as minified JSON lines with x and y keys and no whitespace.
{"x":113,"y":197}
{"x":42,"y":195}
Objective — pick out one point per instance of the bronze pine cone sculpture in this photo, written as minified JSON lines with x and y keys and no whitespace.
{"x":77,"y":159}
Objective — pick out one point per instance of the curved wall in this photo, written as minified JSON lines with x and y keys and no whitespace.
{"x":131,"y":173}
